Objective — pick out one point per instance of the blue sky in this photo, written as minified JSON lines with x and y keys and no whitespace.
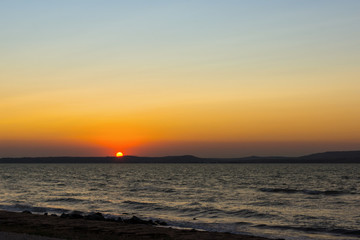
{"x":134,"y":75}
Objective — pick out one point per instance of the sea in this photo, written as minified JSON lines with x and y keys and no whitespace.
{"x":289,"y":201}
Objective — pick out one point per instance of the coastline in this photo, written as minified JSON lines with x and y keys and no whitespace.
{"x":323,"y":158}
{"x":82,"y":229}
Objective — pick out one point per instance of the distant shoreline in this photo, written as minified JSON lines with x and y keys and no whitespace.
{"x":323,"y":158}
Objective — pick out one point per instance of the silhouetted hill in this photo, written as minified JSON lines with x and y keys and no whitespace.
{"x":326,"y":157}
{"x":339,"y":155}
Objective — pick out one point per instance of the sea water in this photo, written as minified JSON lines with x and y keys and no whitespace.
{"x":290,"y":201}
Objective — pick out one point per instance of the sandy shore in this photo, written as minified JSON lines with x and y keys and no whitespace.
{"x":23,"y":236}
{"x":83,"y":229}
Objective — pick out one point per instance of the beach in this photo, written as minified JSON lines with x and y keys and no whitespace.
{"x":68,"y":228}
{"x":23,"y":236}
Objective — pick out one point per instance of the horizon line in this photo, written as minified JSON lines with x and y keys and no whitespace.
{"x":185,"y":155}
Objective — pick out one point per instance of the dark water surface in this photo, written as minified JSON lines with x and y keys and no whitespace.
{"x":298,"y":201}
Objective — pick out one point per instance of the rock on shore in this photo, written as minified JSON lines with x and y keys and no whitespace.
{"x":85,"y":229}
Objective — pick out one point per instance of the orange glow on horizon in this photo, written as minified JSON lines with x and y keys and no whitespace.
{"x":119,"y":154}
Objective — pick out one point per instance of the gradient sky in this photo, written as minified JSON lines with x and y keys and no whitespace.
{"x":209,"y":78}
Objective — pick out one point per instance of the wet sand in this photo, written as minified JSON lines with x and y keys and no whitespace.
{"x":83,"y":229}
{"x":23,"y":236}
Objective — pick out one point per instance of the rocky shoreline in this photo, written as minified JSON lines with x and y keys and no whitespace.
{"x":97,"y":227}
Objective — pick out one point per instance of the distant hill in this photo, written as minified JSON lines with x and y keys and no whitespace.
{"x":339,"y":155}
{"x":326,"y":157}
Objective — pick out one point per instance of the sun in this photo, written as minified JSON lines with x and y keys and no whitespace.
{"x":119,"y":154}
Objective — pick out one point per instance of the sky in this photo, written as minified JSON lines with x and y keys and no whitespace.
{"x":152,"y":78}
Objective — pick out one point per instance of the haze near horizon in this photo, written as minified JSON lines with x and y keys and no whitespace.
{"x":154,"y":78}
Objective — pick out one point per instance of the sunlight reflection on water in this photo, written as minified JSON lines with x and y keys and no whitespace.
{"x":304,"y":201}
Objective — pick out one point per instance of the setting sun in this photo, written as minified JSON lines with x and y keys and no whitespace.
{"x":119,"y":154}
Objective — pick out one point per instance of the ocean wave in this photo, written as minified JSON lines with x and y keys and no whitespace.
{"x":35,"y":209}
{"x":247,"y":213}
{"x":243,"y":223}
{"x":279,"y":190}
{"x":305,"y":191}
{"x":194,"y":204}
{"x":137,"y":203}
{"x":350,"y":232}
{"x":151,"y":206}
{"x":196,"y":209}
{"x":152,"y":189}
{"x":142,"y":205}
{"x":74,"y":200}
